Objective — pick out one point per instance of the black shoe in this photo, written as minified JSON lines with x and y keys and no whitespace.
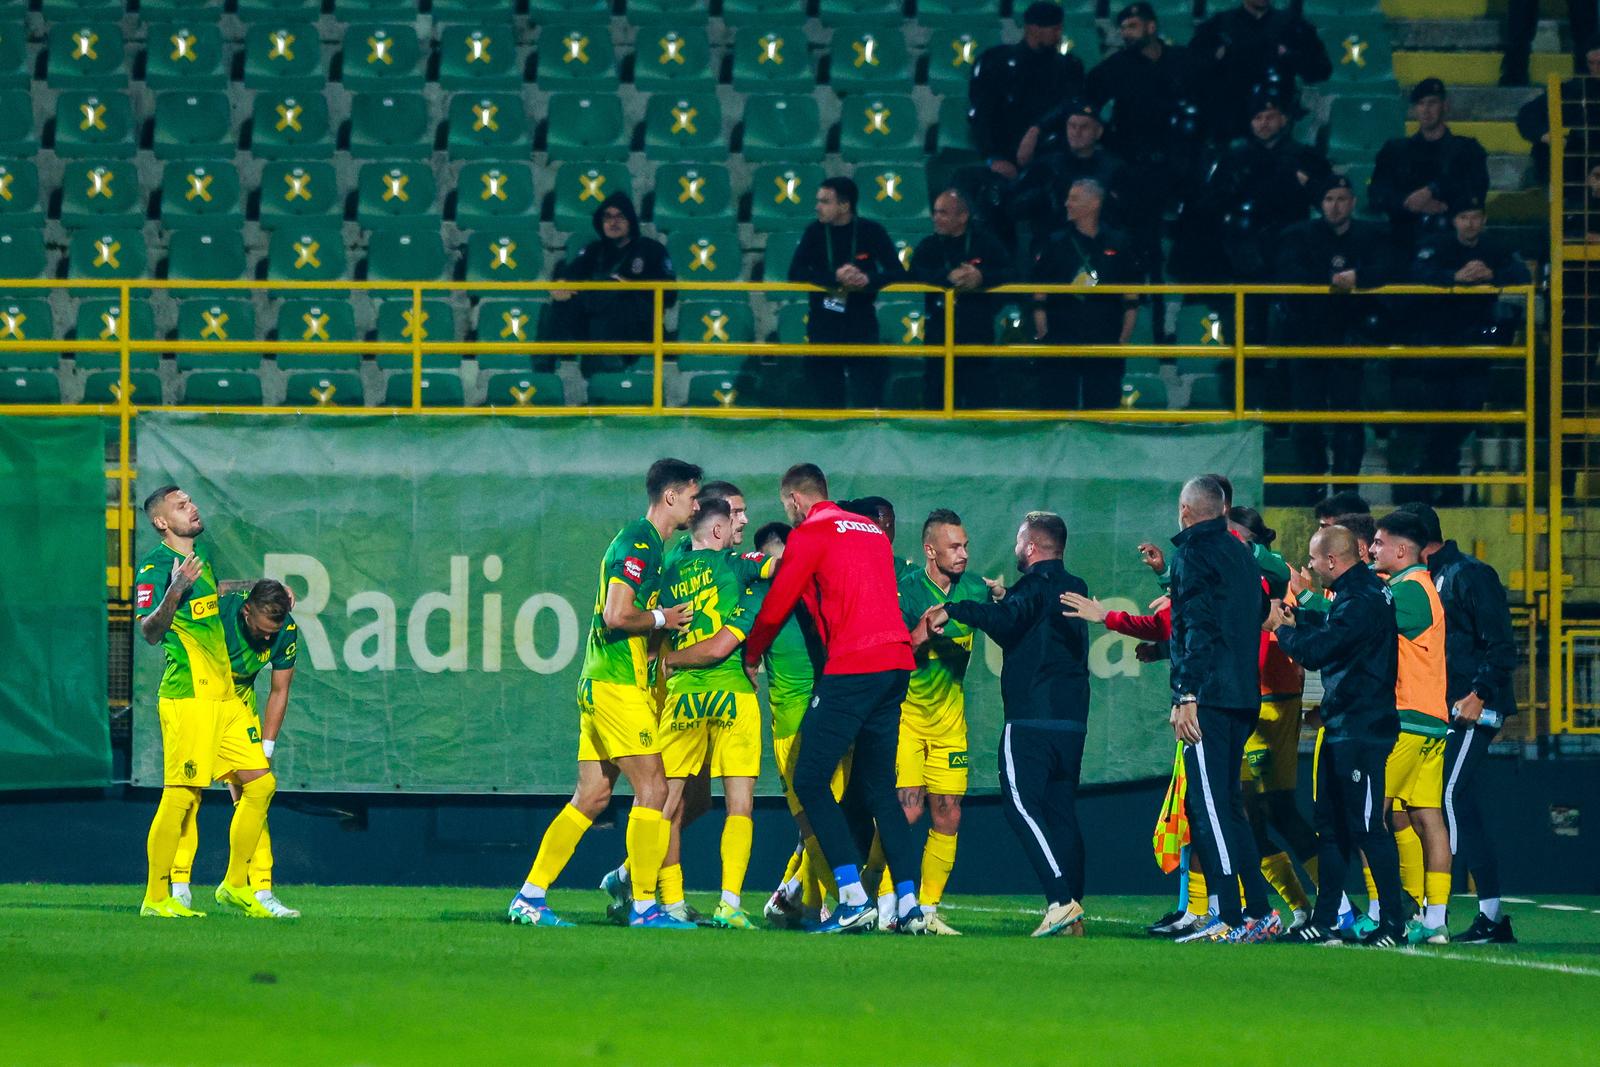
{"x":1312,"y":934}
{"x":1487,"y":931}
{"x":1385,"y":936}
{"x":1159,"y":927}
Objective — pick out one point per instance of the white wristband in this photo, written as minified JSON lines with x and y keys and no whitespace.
{"x":267,"y":746}
{"x":660,"y":617}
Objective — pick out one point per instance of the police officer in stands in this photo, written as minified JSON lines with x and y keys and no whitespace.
{"x":1420,"y":180}
{"x":1063,"y":148}
{"x":1015,"y":85}
{"x":1250,"y":45}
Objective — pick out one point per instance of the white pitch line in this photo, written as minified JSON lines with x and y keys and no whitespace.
{"x":1516,"y":900}
{"x":1560,"y":907}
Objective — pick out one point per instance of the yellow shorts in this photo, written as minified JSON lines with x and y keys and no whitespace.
{"x":1272,"y":753}
{"x":1414,"y":774}
{"x":204,"y":740}
{"x":940,"y":764}
{"x":615,"y":721}
{"x":785,"y":750}
{"x":721,"y":727}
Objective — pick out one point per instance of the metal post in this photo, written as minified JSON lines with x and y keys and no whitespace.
{"x":658,"y":354}
{"x":1238,"y":353}
{"x":416,"y":348}
{"x":1554,"y":510}
{"x":950,"y":352}
{"x":124,"y":450}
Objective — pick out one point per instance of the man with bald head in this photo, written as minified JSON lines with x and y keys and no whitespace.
{"x":1355,"y":644}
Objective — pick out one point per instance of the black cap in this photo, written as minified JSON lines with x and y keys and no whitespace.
{"x":1427,"y":516}
{"x":1427,"y":87}
{"x":1332,"y":182}
{"x":1140,"y":10}
{"x":1042,"y":14}
{"x":1265,"y":96}
{"x":1466,"y":203}
{"x":1080,"y":106}
{"x":1408,"y":525}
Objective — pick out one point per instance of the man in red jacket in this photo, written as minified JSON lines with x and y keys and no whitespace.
{"x":841,"y":566}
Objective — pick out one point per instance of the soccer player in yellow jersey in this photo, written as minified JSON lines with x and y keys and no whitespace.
{"x":207,"y":734}
{"x":617,"y":717}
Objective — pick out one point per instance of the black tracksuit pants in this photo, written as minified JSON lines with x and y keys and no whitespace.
{"x":860,"y":710}
{"x":1217,"y":822}
{"x":1040,"y":762}
{"x":1349,"y":816}
{"x":1464,"y":750}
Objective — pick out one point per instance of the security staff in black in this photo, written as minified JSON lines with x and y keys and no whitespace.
{"x":1254,"y":44}
{"x":619,"y":255}
{"x":1217,"y":608}
{"x":1421,"y":180}
{"x":1015,"y":85}
{"x":969,"y":259}
{"x":1044,"y":684}
{"x":1066,"y":149}
{"x":1356,"y":646}
{"x":1480,"y":658}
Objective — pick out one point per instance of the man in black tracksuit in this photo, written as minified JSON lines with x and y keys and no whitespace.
{"x":1045,"y":687}
{"x":1356,"y":647}
{"x":618,"y":254}
{"x":1217,"y":608}
{"x":1480,"y":658}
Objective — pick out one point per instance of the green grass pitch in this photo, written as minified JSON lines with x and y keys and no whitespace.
{"x":435,"y":976}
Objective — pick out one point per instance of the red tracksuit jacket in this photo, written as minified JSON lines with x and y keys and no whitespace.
{"x":841,"y":566}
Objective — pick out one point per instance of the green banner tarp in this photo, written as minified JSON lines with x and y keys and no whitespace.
{"x":53,"y":717}
{"x":446,"y":568}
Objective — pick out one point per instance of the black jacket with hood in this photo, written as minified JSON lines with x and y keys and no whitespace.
{"x":610,"y":315}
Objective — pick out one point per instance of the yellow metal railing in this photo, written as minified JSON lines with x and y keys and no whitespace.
{"x":1579,"y":712}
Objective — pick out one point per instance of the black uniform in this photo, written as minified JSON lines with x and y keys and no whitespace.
{"x":1251,"y":195}
{"x":1067,"y":256}
{"x":1522,"y":21}
{"x":1455,"y":168}
{"x":1217,"y":608}
{"x":612,"y":316}
{"x":1580,"y":111}
{"x":1013,"y":87}
{"x":1277,"y":47}
{"x":1045,"y":687}
{"x":839,"y":318}
{"x":1480,"y":657}
{"x":1040,"y":191}
{"x":1357,"y":648}
{"x":935,"y":257}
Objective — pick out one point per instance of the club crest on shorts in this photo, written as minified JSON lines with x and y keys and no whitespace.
{"x":190,"y":770}
{"x":646,"y":737}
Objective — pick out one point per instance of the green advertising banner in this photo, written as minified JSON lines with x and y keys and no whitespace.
{"x":54,"y":730}
{"x":446,"y":568}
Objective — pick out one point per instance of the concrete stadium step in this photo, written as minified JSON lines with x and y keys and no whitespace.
{"x":1482,"y":34}
{"x":1489,"y":102}
{"x":1473,"y":68}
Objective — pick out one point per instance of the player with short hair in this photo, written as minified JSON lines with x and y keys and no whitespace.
{"x":260,"y":632}
{"x":881,"y":511}
{"x":617,"y":732}
{"x":206,"y":732}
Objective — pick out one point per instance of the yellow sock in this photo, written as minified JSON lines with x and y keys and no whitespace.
{"x":162,"y":843}
{"x":260,"y":869}
{"x":1437,"y":884}
{"x":738,"y":833}
{"x":938,"y":857}
{"x":1198,"y":903}
{"x":1409,"y":846}
{"x":796,"y":859}
{"x":810,"y":884}
{"x":669,"y":885}
{"x":1311,"y":872}
{"x":244,"y":833}
{"x":1279,"y":871}
{"x":819,"y":867}
{"x":188,"y":845}
{"x":560,"y":840}
{"x":646,"y":850}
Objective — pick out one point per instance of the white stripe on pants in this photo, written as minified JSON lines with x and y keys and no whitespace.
{"x":1016,"y":802}
{"x":1211,"y":809}
{"x":1450,"y":785}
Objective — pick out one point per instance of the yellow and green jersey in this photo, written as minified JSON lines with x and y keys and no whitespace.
{"x":634,"y":559}
{"x":792,"y":663}
{"x":246,"y":658}
{"x":716,"y":583}
{"x":195,"y":646}
{"x":934,"y":705}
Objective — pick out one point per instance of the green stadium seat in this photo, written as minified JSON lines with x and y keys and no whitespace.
{"x":904,"y":246}
{"x":253,"y":11}
{"x":26,"y":319}
{"x":505,"y":253}
{"x":706,"y":254}
{"x":366,"y":10}
{"x":672,"y":58}
{"x":108,"y":254}
{"x":179,"y":10}
{"x":323,"y":389}
{"x":312,"y":253}
{"x":685,"y":126}
{"x":18,"y":137}
{"x":491,"y":191}
{"x":30,"y":387}
{"x":479,"y":56}
{"x":880,"y":127}
{"x":955,"y":132}
{"x":1144,"y":392}
{"x":849,"y":12}
{"x":585,"y":128}
{"x":94,"y":124}
{"x":314,"y":320}
{"x":870,"y":60}
{"x":772,"y":57}
{"x":1360,"y":175}
{"x":690,"y":191}
{"x":99,"y":319}
{"x":440,"y":389}
{"x":19,"y":193}
{"x":793,"y":322}
{"x":1080,"y":36}
{"x":715,"y":322}
{"x":399,"y":323}
{"x":720,"y":389}
{"x":902,"y":322}
{"x":101,"y":192}
{"x":964,"y":13}
{"x":86,"y":55}
{"x":775,"y":260}
{"x":446,"y":12}
{"x":290,"y":126}
{"x":783,"y":129}
{"x":16,"y":67}
{"x":196,"y":125}
{"x":397,"y":195}
{"x":579,"y":191}
{"x":577,"y":55}
{"x":284,"y":56}
{"x":22,"y":252}
{"x":488,"y":126}
{"x":185,"y":55}
{"x":616,"y":388}
{"x":1361,"y":52}
{"x":1358,"y":126}
{"x":544,"y":10}
{"x":953,"y":51}
{"x":294,"y":192}
{"x":520,"y":390}
{"x":656,"y":13}
{"x":201,"y":195}
{"x":221,"y":319}
{"x":389,"y":126}
{"x":406,"y":255}
{"x":222,"y":388}
{"x":378,"y":57}
{"x":205,"y":255}
{"x":757,"y":12}
{"x":784,"y":197}
{"x":103,"y":387}
{"x":507,"y":320}
{"x":1200,"y":324}
{"x":892,"y":193}
{"x":1208,"y":391}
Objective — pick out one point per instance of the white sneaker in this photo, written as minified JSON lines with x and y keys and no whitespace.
{"x":181,"y":893}
{"x":888,"y":913}
{"x":277,"y":907}
{"x":937,"y":925}
{"x":679,"y":911}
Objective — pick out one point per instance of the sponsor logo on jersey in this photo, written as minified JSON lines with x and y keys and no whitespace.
{"x":633,"y":567}
{"x":958,"y":761}
{"x":848,"y":525}
{"x":203,"y":607}
{"x":145,"y":595}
